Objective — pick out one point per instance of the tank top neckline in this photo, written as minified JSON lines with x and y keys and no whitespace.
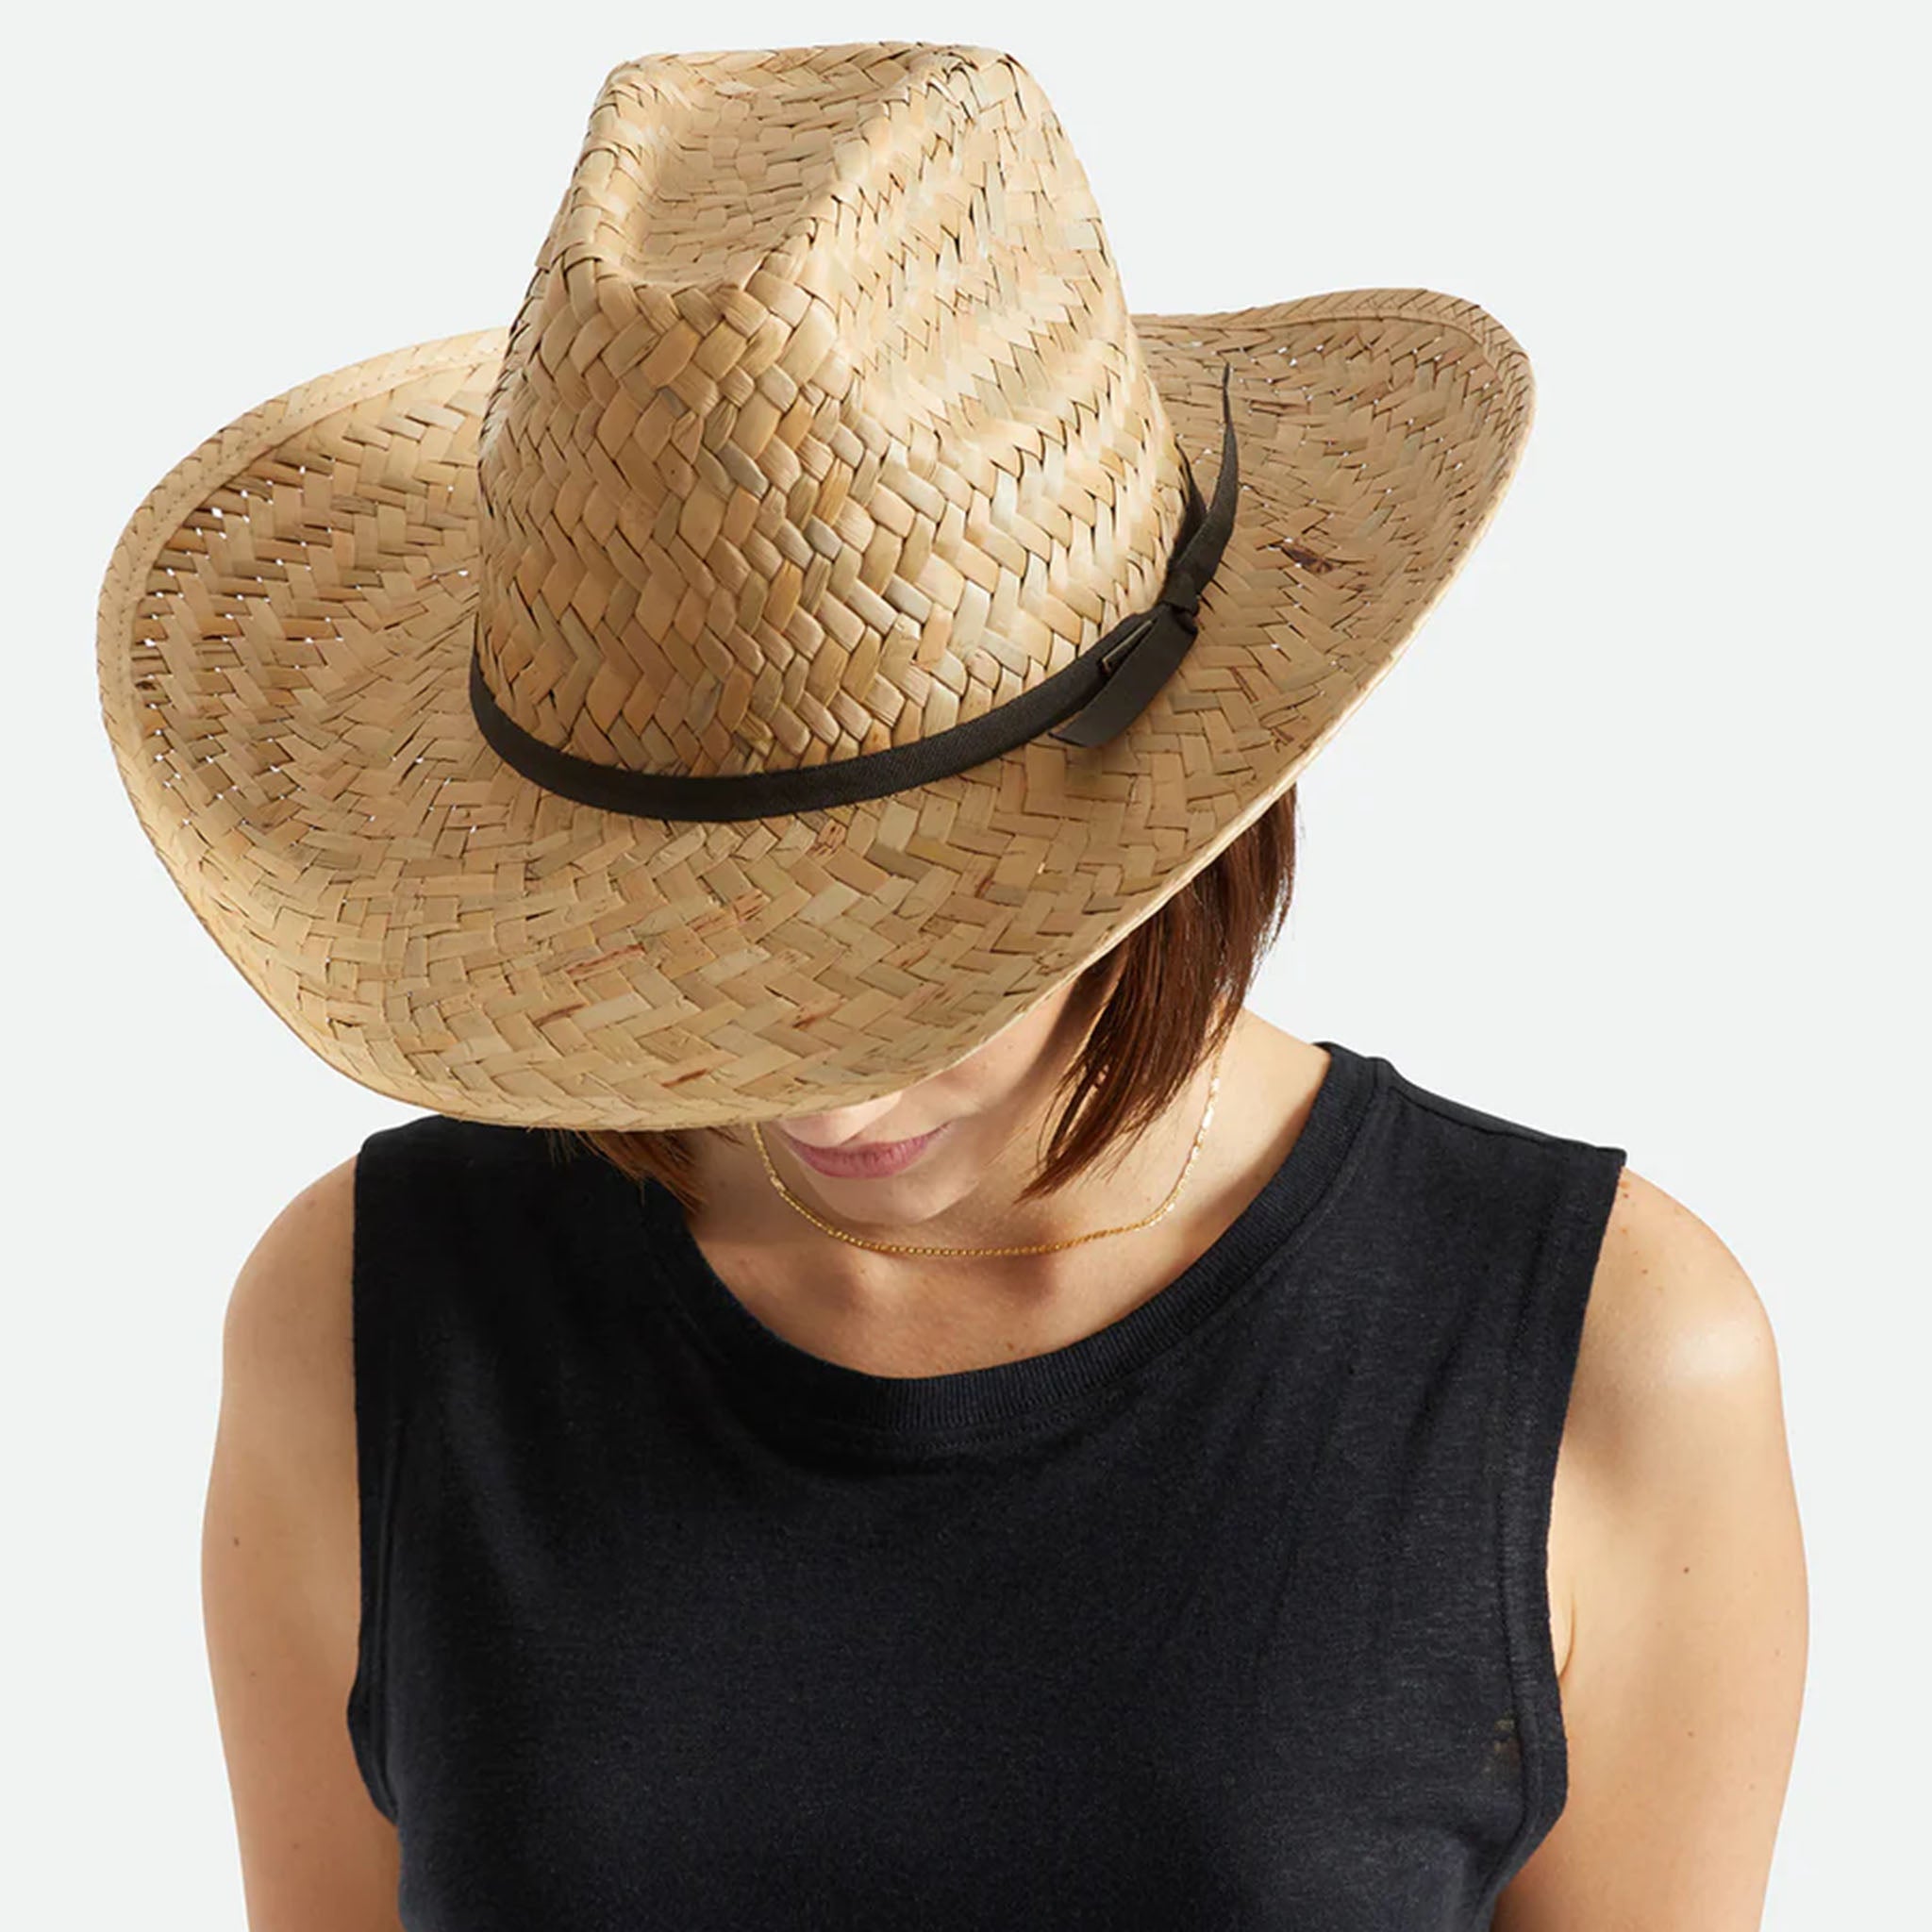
{"x":1005,"y":1397}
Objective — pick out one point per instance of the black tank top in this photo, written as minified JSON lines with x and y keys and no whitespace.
{"x":1230,"y":1615}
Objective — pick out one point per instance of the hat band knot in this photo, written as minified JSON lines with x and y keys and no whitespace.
{"x":1089,"y":702}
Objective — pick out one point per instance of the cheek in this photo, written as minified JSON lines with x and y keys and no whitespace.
{"x":993,"y":1080}
{"x":996,"y":1089}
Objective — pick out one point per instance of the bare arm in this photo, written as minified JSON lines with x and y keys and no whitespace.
{"x":281,"y":1580}
{"x":1682,"y":1690}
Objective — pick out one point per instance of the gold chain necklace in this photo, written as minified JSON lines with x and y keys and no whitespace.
{"x":1038,"y":1248}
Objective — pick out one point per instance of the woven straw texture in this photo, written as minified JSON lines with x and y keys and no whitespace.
{"x":822,"y":426}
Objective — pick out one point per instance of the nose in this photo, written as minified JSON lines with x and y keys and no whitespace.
{"x":843,"y":1123}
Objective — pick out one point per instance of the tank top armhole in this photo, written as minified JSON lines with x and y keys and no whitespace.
{"x":378,"y":1455}
{"x":1527,"y":1432}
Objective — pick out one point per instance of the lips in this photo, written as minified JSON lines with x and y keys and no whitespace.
{"x":863,"y":1164}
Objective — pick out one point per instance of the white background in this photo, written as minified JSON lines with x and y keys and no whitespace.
{"x":1630,"y":845}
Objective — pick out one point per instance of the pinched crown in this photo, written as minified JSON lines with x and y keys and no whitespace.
{"x":823,"y":425}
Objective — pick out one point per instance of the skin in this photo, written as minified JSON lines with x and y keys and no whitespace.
{"x":1675,"y":1564}
{"x":896,"y":1315}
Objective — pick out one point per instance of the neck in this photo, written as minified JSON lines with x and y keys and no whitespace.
{"x":746,"y":1216}
{"x":912,"y":1315}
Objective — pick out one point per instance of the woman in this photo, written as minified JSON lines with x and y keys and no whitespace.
{"x":1673,"y":1587}
{"x":967,"y":1424}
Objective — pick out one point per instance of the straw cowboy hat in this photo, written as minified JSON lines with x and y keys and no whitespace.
{"x":798,"y":643}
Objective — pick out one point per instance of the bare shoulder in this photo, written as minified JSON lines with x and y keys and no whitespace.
{"x":282,"y":1574}
{"x":288,"y":1380}
{"x":287,"y":1331}
{"x":1682,"y":1564}
{"x":1674,"y":1334}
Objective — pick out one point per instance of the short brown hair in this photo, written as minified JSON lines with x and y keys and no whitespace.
{"x":1167,"y":996}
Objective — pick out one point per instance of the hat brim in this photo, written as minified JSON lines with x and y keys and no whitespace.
{"x":284,"y":634}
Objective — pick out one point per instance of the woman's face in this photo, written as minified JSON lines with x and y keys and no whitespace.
{"x":907,"y":1156}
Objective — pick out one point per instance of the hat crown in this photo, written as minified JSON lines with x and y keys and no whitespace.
{"x":823,"y":425}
